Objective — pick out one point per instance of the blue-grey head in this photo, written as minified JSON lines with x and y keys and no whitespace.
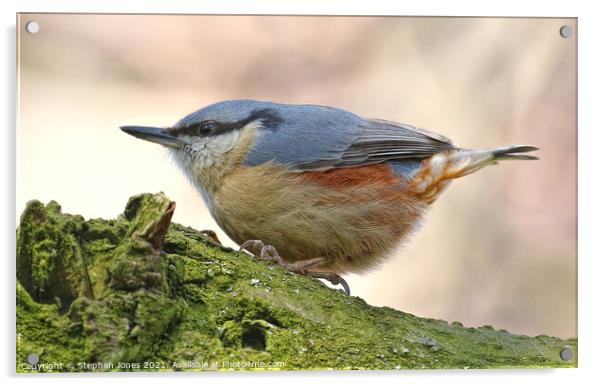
{"x":291,"y":135}
{"x":202,"y":138}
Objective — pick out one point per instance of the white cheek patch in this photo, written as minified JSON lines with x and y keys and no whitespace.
{"x":202,"y":153}
{"x":221,"y":144}
{"x":206,"y":151}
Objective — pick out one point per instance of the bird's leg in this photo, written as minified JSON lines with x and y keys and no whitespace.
{"x":303,"y":267}
{"x":212,"y":235}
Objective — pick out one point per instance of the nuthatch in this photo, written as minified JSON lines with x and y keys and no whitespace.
{"x":327,"y":190}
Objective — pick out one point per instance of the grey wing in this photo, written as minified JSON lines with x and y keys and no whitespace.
{"x":382,"y":141}
{"x":343,"y":140}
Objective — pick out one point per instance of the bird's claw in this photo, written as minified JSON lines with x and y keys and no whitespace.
{"x":333,"y":278}
{"x":267,"y":252}
{"x":256,"y":245}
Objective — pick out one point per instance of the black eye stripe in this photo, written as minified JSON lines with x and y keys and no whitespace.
{"x":206,"y":128}
{"x":269,"y":118}
{"x":197,"y":129}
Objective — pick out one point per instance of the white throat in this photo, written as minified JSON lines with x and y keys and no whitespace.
{"x":202,"y":159}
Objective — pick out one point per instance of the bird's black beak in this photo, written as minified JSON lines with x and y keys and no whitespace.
{"x":153,"y":134}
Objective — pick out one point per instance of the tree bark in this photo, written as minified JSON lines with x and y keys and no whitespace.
{"x":138,"y":293}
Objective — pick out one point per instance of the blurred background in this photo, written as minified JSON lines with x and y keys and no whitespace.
{"x":498,"y":247}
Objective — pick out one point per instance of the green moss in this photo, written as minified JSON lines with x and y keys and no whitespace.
{"x":42,"y":330}
{"x":127,"y":293}
{"x":50,"y":264}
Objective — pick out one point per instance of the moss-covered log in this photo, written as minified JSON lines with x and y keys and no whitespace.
{"x":139,"y":293}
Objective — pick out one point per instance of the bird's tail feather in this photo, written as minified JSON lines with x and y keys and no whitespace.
{"x":438,"y":171}
{"x":514,"y":152}
{"x":468,"y":161}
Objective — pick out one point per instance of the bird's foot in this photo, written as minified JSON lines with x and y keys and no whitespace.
{"x":332,"y":278}
{"x":212,"y":235}
{"x":303,"y":267}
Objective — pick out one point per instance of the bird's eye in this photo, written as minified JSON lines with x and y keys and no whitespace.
{"x":206,"y":128}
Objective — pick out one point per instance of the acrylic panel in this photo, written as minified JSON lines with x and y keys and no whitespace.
{"x":151,"y":147}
